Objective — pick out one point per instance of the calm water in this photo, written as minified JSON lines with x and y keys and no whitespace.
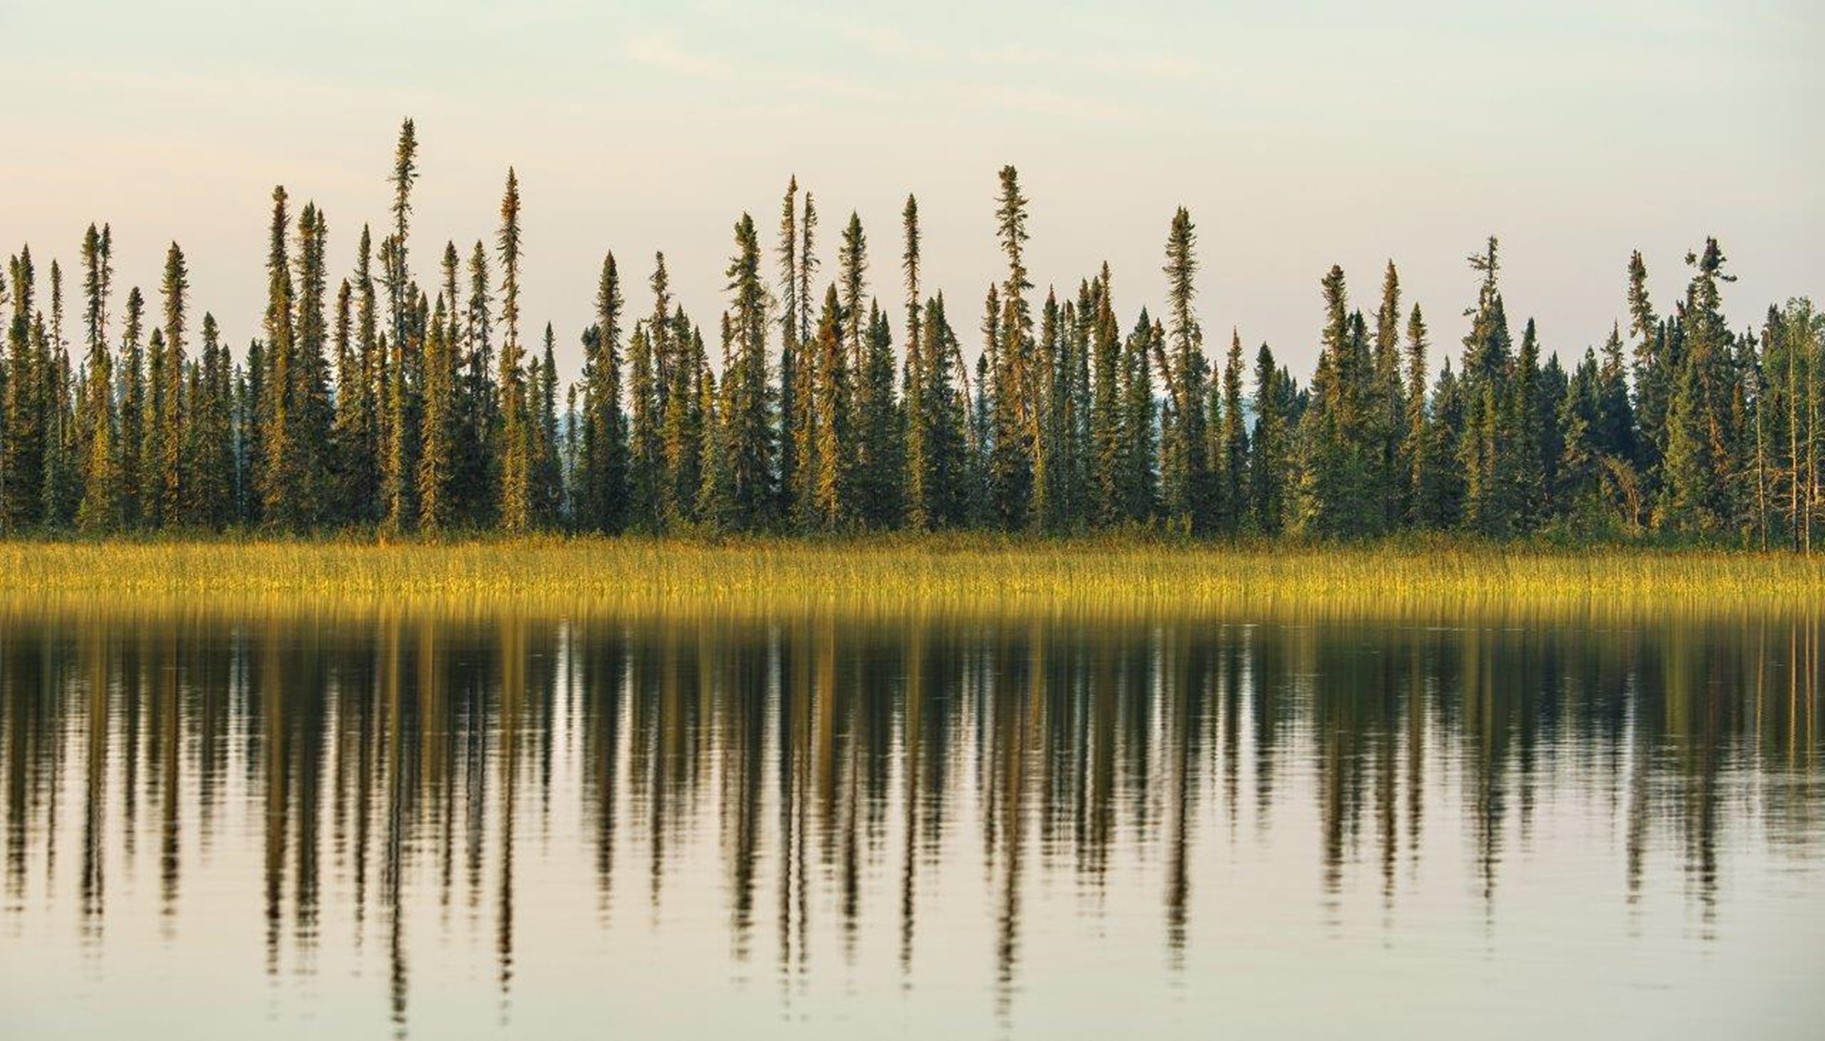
{"x":384,"y":826}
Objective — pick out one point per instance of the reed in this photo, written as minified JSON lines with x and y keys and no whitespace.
{"x":901,"y":574}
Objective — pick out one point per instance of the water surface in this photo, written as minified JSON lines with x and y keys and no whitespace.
{"x":373,"y":826}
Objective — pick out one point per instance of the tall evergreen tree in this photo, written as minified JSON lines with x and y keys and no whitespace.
{"x":833,"y":492}
{"x":1421,"y":466}
{"x":1184,"y":465}
{"x":1109,"y":444}
{"x":22,"y":446}
{"x":790,"y":345}
{"x":748,"y":404}
{"x":1700,"y":459}
{"x":1233,"y":464}
{"x":604,"y":478}
{"x":437,"y":450}
{"x":516,"y":447}
{"x":100,"y":508}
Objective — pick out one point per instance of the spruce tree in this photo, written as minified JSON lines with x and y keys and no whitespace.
{"x":478,"y":433}
{"x":682,"y":429}
{"x":437,"y":470}
{"x":1653,"y":373}
{"x":397,"y":272}
{"x":1489,"y":448}
{"x":1141,"y":481}
{"x":748,"y":404}
{"x":1014,"y":471}
{"x":99,"y":511}
{"x":210,"y":455}
{"x":346,"y":435}
{"x":547,"y":476}
{"x":1233,"y":464}
{"x":1268,"y":469}
{"x":833,"y":495}
{"x":132,"y":396}
{"x":790,"y":346}
{"x":1420,"y":477}
{"x":1700,"y":462}
{"x":1387,"y":418}
{"x":919,"y":414}
{"x":22,"y":447}
{"x":1108,"y":441}
{"x":603,"y":502}
{"x":1184,"y":465}
{"x":645,"y":464}
{"x":947,"y":470}
{"x":515,"y":496}
{"x":311,"y":404}
{"x":277,"y":480}
{"x":715,"y":505}
{"x":1010,"y":462}
{"x":165,"y":491}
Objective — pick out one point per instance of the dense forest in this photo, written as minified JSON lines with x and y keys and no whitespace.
{"x":378,"y":404}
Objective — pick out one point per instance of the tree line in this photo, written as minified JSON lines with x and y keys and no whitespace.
{"x":380,"y":403}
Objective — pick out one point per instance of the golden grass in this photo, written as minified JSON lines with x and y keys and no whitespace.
{"x":890,"y":575}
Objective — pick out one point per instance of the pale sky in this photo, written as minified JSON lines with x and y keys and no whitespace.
{"x":1298,"y":135}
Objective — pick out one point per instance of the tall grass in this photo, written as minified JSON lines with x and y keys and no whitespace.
{"x":888,"y":575}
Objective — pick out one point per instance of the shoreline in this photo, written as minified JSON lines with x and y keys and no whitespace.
{"x":917,"y":574}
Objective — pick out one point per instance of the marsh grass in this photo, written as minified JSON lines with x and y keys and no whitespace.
{"x":886,"y":576}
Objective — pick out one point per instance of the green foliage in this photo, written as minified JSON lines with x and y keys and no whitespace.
{"x":345,"y":417}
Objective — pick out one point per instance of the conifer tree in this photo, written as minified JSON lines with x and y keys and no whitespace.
{"x":1233,"y":464}
{"x":1420,"y":479}
{"x":132,"y":395}
{"x":405,"y":173}
{"x":1010,"y":466}
{"x":919,"y":413}
{"x":164,"y":494}
{"x":1653,"y":373}
{"x":311,"y":405}
{"x":790,"y":345}
{"x":715,"y":505}
{"x":22,"y":447}
{"x":1107,"y":437}
{"x":805,"y":431}
{"x":832,"y":493}
{"x":748,"y":405}
{"x":1267,"y":493}
{"x":1332,"y":494}
{"x":1141,"y":481}
{"x":603,"y":481}
{"x":644,"y":461}
{"x":1699,"y":462}
{"x":946,"y":454}
{"x":547,"y":475}
{"x":1387,"y":418}
{"x":1184,"y":465}
{"x":883,"y":433}
{"x":478,"y":433}
{"x":277,"y":479}
{"x":62,"y":469}
{"x":1488,"y":449}
{"x":210,"y":450}
{"x":516,"y":506}
{"x":1528,"y":502}
{"x":1013,"y":470}
{"x":682,"y":429}
{"x":437,"y":452}
{"x":100,"y":508}
{"x":347,"y":444}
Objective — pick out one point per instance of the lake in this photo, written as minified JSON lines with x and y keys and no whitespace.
{"x":468,"y":824}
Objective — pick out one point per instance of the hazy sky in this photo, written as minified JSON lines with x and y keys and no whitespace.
{"x":1298,"y":135}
